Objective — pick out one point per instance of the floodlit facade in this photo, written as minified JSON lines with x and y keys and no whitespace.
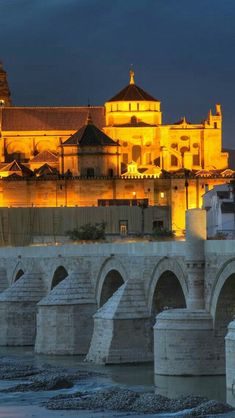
{"x":90,"y":156}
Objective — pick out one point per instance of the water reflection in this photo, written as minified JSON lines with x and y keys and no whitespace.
{"x":213,"y":387}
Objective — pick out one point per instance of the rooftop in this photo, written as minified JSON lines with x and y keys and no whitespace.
{"x":132,"y":92}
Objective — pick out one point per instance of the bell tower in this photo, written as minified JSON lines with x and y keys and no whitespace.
{"x":5,"y":95}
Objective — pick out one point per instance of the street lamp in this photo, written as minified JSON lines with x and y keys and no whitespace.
{"x":186,"y":175}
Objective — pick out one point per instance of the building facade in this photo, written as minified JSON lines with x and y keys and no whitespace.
{"x":220,"y":206}
{"x":123,"y":149}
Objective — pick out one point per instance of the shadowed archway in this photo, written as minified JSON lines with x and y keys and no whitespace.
{"x":18,"y":275}
{"x":168,"y":294}
{"x":112,"y":282}
{"x":59,"y":275}
{"x":224,"y":313}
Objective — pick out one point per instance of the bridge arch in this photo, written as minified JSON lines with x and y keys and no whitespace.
{"x":222,"y":307}
{"x":167,"y":275}
{"x":227,"y":270}
{"x":60,"y":274}
{"x":111,"y":276}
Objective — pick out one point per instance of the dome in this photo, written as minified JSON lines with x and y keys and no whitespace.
{"x":132,"y":93}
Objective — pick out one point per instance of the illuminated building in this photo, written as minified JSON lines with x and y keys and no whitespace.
{"x":117,"y":151}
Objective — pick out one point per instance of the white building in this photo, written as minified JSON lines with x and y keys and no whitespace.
{"x":219,"y":203}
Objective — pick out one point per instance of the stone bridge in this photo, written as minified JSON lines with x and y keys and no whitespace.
{"x":125,"y":302}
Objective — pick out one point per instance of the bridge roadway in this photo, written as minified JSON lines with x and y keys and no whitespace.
{"x":170,"y":301}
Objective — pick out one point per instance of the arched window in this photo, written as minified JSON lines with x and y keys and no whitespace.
{"x":134,"y":120}
{"x":136,"y":153}
{"x":174,"y":161}
{"x":183,"y":150}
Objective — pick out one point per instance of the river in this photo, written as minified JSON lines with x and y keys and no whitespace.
{"x":136,"y":377}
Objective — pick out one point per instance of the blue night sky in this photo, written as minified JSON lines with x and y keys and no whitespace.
{"x":62,"y":52}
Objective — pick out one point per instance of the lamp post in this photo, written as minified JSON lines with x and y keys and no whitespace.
{"x":186,"y":175}
{"x":143,"y":205}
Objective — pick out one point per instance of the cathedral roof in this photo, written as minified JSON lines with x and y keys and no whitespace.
{"x":45,"y":156}
{"x":49,"y":118}
{"x":132,"y":93}
{"x":182,"y":121}
{"x":89,"y":135}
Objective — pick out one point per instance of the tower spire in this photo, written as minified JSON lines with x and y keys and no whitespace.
{"x":132,"y":75}
{"x":5,"y":95}
{"x":89,"y":120}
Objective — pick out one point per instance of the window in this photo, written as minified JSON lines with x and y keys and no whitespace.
{"x":133,"y":120}
{"x":215,"y":125}
{"x":196,"y":159}
{"x":129,"y":106}
{"x":125,"y":158}
{"x":136,"y":153}
{"x":148,"y":158}
{"x":174,"y":161}
{"x":90,"y":172}
{"x":123,"y":227}
{"x":162,"y":195}
{"x":138,"y":106}
{"x":158,"y":225}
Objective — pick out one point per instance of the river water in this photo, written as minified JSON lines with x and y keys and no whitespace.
{"x":136,"y":377}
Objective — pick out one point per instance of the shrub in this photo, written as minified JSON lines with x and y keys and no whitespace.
{"x":163,"y":233}
{"x":88,"y":232}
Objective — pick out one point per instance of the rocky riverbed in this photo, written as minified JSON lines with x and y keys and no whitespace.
{"x":23,"y":377}
{"x":129,"y":401}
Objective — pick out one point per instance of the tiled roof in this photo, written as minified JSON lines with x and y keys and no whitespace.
{"x":46,"y":169}
{"x":49,"y":118}
{"x":135,"y":124}
{"x":89,"y":135}
{"x":15,"y":166}
{"x":132,"y":93}
{"x":45,"y":156}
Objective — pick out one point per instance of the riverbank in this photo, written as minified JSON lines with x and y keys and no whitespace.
{"x":47,"y":387}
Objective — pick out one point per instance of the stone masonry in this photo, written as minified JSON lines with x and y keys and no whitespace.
{"x":152,"y":278}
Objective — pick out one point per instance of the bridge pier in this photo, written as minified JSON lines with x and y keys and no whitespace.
{"x":18,"y":310}
{"x":183,"y":338}
{"x":64,"y":319}
{"x":230,"y":356}
{"x":122,"y":328}
{"x":184,"y":344}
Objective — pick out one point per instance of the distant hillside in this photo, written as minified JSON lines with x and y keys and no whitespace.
{"x":231,"y":160}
